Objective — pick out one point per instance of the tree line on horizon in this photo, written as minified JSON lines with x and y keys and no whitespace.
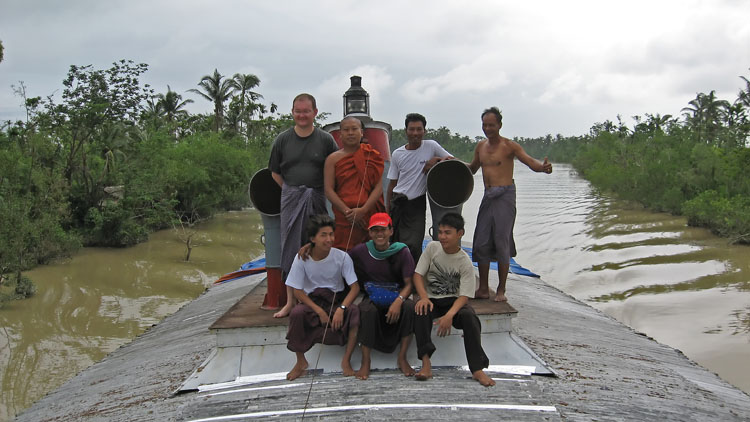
{"x":694,"y":165}
{"x":112,"y":160}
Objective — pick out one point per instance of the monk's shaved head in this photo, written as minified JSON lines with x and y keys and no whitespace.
{"x":353,"y":119}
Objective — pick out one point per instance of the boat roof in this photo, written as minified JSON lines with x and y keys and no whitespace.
{"x":606,"y":371}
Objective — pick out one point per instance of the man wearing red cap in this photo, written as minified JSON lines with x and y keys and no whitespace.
{"x":386,"y":313}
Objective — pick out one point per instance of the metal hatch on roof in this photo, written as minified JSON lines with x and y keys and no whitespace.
{"x":251,"y":347}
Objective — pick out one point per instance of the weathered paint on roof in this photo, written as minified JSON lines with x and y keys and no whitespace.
{"x":606,"y":372}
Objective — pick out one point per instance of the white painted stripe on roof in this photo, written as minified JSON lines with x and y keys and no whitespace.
{"x":381,"y":406}
{"x":509,"y":369}
{"x":246,"y":380}
{"x":245,"y":390}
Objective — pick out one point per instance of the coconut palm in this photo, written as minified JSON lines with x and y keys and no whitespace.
{"x":217,"y":91}
{"x":171,"y":106}
{"x":744,"y":95}
{"x":656,"y":123}
{"x":705,"y":114}
{"x":244,"y":83}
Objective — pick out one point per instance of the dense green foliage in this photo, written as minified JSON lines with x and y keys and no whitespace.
{"x":696,"y":166}
{"x":112,"y":161}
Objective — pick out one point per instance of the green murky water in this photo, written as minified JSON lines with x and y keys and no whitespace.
{"x":91,"y":304}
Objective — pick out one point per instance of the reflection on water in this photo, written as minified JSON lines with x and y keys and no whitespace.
{"x":678,"y":284}
{"x":100,"y":299}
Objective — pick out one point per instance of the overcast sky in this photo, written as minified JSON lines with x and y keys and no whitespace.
{"x":551,"y":66}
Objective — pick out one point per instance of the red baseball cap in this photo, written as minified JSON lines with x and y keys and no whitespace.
{"x":380,"y":219}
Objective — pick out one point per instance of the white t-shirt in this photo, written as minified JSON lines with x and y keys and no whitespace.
{"x":407,"y":165}
{"x":328,"y":273}
{"x":446,"y":275}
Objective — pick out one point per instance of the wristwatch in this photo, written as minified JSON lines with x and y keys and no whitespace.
{"x":343,"y":307}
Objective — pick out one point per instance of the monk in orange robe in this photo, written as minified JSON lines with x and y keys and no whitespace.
{"x":353,"y":182}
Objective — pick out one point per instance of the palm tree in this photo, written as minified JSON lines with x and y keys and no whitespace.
{"x":244,"y":83}
{"x":705,"y":115}
{"x":744,"y":95}
{"x":171,"y":105}
{"x":217,"y":91}
{"x":656,"y":123}
{"x":113,"y":139}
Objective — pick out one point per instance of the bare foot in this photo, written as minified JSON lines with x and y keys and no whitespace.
{"x":482,"y":294}
{"x":405,"y":368}
{"x":299,"y":369}
{"x":284,"y":312}
{"x":423,"y":375}
{"x":483,"y":378}
{"x":347,"y":369}
{"x":500,"y":297}
{"x":364,"y":371}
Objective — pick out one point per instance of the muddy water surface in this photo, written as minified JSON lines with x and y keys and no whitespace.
{"x":680,"y":285}
{"x":89,"y":305}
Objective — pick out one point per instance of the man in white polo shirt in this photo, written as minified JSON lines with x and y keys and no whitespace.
{"x":408,"y":183}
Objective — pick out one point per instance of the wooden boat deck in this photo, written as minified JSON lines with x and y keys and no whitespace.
{"x":246,"y":313}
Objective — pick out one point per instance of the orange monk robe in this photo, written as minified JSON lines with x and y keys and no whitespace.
{"x":356,"y":177}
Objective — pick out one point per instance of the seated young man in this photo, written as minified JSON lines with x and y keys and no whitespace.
{"x":324,"y":313}
{"x":444,"y":280}
{"x":386,"y":315}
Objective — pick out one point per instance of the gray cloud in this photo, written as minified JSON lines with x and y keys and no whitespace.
{"x":551,"y":66}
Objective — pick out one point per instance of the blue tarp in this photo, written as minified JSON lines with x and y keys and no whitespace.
{"x":514,"y":267}
{"x":257,"y":266}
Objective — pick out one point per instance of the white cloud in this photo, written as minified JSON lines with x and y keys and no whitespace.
{"x":551,"y":66}
{"x":483,"y":74}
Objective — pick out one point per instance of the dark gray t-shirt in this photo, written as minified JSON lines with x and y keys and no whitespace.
{"x":300,"y":161}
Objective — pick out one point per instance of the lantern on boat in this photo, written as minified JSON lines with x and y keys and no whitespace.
{"x":376,"y":133}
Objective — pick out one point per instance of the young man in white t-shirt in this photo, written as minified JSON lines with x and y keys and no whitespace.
{"x":444,"y":280}
{"x":325,"y":312}
{"x":408,"y":183}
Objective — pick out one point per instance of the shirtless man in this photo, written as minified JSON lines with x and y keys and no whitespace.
{"x":493,"y":237}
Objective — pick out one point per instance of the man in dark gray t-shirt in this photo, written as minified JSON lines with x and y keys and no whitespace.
{"x":299,"y":161}
{"x":297,"y":158}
